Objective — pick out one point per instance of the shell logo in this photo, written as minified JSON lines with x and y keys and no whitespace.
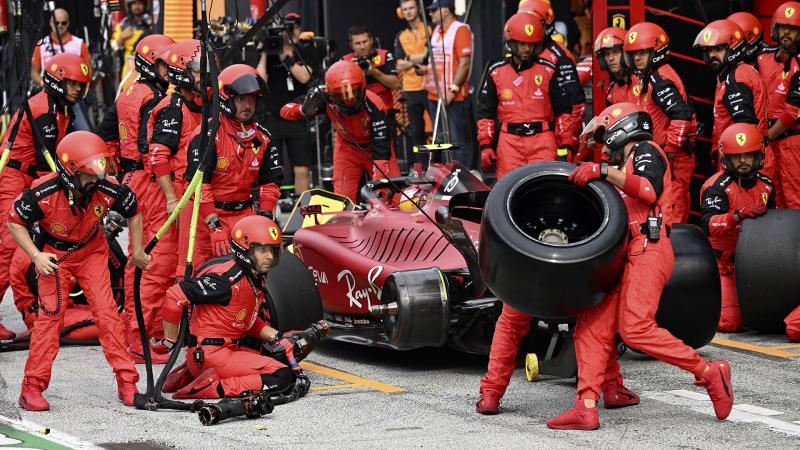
{"x":737,"y":35}
{"x":58,"y":228}
{"x":65,"y":157}
{"x":222,"y":163}
{"x":632,"y":37}
{"x":529,"y":29}
{"x":789,"y":12}
{"x":237,"y":234}
{"x":273,"y":232}
{"x":123,"y":132}
{"x":145,"y":49}
{"x":741,"y":139}
{"x":85,"y":69}
{"x":54,"y":67}
{"x":376,"y":60}
{"x":757,"y":31}
{"x":506,"y":94}
{"x":706,"y":35}
{"x":241,"y":315}
{"x":663,"y":38}
{"x":616,"y":112}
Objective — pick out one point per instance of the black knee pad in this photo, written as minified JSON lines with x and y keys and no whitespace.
{"x":278,"y":381}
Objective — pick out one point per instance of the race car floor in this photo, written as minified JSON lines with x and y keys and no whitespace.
{"x":365,"y":397}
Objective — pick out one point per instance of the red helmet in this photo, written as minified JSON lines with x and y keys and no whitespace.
{"x":66,"y":66}
{"x":741,"y":138}
{"x":543,"y":10}
{"x":647,"y":36}
{"x":722,"y":32}
{"x":609,"y":38}
{"x":615,"y":126}
{"x":148,"y":50}
{"x":345,"y":84}
{"x":182,"y":58}
{"x":751,"y":26}
{"x":84,"y":152}
{"x":239,"y":79}
{"x":255,"y":230}
{"x":786,"y":14}
{"x":524,"y":27}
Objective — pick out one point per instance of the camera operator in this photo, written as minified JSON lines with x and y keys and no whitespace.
{"x":287,"y":78}
{"x":378,"y":64}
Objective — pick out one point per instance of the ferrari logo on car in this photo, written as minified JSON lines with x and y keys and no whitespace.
{"x":632,"y":37}
{"x":789,"y":12}
{"x":273,"y":232}
{"x":529,"y":29}
{"x":98,"y":210}
{"x":741,"y":139}
{"x":538,"y":79}
{"x":85,"y":69}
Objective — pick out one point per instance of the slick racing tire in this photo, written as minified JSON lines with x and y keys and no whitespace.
{"x":293,"y":301}
{"x":417,"y":312}
{"x":548,"y":247}
{"x":768,"y":269}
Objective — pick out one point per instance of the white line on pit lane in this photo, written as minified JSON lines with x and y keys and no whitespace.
{"x":744,"y":413}
{"x":54,"y":435}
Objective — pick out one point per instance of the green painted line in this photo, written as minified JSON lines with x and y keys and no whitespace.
{"x":14,"y":438}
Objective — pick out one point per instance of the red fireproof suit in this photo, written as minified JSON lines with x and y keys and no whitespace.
{"x":740,"y":98}
{"x":782,"y":81}
{"x":568,"y":81}
{"x":722,"y":194}
{"x":247,"y":168}
{"x":28,"y":305}
{"x":369,"y":127}
{"x":170,"y":127}
{"x":126,"y":123}
{"x":225,"y":307}
{"x":631,"y":306}
{"x":662,"y":95}
{"x":533,"y":116}
{"x":25,"y":161}
{"x":80,"y":234}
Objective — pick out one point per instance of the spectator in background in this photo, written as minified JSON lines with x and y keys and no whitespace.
{"x":287,"y":78}
{"x":411,"y":50}
{"x":378,"y":64}
{"x":59,"y":41}
{"x":127,"y":33}
{"x":451,"y":47}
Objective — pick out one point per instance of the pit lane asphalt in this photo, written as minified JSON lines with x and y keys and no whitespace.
{"x":435,"y":408}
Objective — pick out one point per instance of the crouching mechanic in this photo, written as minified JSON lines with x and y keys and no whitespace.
{"x":360,"y":119}
{"x":69,"y":206}
{"x":523,"y":94}
{"x":247,"y":167}
{"x":737,"y":192}
{"x":638,"y":168}
{"x":225,"y":298}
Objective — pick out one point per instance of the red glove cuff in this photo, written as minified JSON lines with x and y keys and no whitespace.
{"x":291,"y":111}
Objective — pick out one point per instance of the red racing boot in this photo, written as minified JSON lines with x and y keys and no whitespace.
{"x":488,"y":404}
{"x":177,"y":379}
{"x":6,"y":334}
{"x":126,"y":390}
{"x":616,"y":395}
{"x":30,"y":398}
{"x":206,"y":385}
{"x":717,"y":381}
{"x":578,"y":418}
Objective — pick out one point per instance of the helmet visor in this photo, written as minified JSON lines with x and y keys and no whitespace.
{"x":347,"y":95}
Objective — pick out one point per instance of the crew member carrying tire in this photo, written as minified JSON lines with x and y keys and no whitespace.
{"x":247,"y":168}
{"x":66,"y":80}
{"x":69,"y":206}
{"x":225,"y":299}
{"x":659,"y":90}
{"x":737,"y":192}
{"x":638,"y":168}
{"x":360,"y":119}
{"x":526,"y":110}
{"x":125,"y":125}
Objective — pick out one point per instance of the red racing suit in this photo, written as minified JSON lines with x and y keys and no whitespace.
{"x":368,"y":126}
{"x":225,"y":305}
{"x":782,"y":81}
{"x":662,"y":95}
{"x":722,"y":194}
{"x":568,"y":81}
{"x":169,"y":130}
{"x":25,"y":161}
{"x":23,"y":280}
{"x":247,"y":171}
{"x":740,"y":98}
{"x":126,"y":123}
{"x":75,"y":231}
{"x":631,"y":307}
{"x":528,"y":103}
{"x":384,"y":61}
